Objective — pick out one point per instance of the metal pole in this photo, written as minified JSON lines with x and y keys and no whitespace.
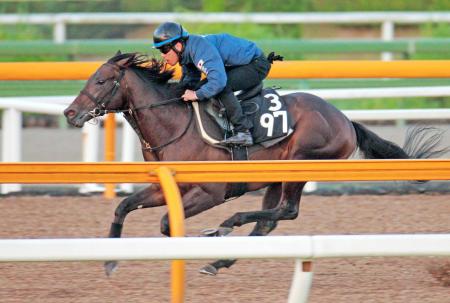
{"x":387,"y":34}
{"x":301,"y":282}
{"x":59,"y":32}
{"x":110,"y":155}
{"x":11,"y":143}
{"x":90,"y":142}
{"x":176,"y":223}
{"x":128,"y":148}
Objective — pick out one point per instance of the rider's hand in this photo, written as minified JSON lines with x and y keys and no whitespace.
{"x":189,"y":95}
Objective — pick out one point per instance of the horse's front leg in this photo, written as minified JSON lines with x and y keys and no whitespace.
{"x":196,"y":200}
{"x":287,"y":208}
{"x":151,"y":196}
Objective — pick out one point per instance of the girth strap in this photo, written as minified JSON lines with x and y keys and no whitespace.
{"x":238,"y":153}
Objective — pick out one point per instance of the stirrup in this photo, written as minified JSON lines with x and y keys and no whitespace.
{"x":241,"y":139}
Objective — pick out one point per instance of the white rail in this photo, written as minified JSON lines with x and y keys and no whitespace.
{"x":385,"y":92}
{"x":295,"y":247}
{"x":231,"y":17}
{"x":386,"y":19}
{"x":300,"y":247}
{"x":13,"y":106}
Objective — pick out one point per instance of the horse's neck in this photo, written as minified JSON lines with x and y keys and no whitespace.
{"x":161,"y":124}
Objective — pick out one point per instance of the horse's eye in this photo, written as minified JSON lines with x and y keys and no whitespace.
{"x":101,"y":82}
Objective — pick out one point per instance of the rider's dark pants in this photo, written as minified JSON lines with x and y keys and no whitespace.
{"x":240,"y":78}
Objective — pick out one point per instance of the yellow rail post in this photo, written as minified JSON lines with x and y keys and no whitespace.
{"x":110,"y":143}
{"x":176,"y":223}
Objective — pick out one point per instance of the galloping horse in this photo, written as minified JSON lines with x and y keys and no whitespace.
{"x":140,"y":89}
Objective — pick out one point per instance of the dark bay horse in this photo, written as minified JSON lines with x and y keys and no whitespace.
{"x":140,"y":88}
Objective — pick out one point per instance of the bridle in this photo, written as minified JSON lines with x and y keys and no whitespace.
{"x":106,"y":98}
{"x":130,"y":112}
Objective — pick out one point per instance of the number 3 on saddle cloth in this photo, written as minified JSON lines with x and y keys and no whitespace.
{"x":265,"y":108}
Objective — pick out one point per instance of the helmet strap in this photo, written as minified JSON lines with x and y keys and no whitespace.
{"x":179,"y":53}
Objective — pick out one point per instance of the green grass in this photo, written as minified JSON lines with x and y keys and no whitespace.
{"x":40,"y":88}
{"x":291,"y":49}
{"x":392,"y":103}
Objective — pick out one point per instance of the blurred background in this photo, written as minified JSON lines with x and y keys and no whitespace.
{"x":297,"y":29}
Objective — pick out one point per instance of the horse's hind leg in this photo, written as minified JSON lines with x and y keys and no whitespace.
{"x":262,"y":228}
{"x":287,"y":208}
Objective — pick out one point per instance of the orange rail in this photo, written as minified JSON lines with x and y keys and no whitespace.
{"x":224,"y":171}
{"x":280,"y":70}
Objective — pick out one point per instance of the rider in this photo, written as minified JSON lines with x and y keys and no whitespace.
{"x":229,"y":63}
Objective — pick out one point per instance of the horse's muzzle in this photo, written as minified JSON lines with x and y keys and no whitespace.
{"x":75,"y":118}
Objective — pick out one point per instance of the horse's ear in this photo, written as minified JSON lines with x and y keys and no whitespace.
{"x":127,"y":61}
{"x":118,"y":53}
{"x":130,"y":60}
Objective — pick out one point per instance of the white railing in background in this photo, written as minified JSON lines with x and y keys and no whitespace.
{"x":385,"y":92}
{"x":386,"y":19}
{"x":14,"y":106}
{"x":300,"y":248}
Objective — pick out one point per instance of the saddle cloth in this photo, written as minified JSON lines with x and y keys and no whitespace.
{"x":267,"y":110}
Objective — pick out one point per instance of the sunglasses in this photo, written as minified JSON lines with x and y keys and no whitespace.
{"x":165,"y":48}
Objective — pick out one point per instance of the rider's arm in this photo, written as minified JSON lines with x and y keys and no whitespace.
{"x":207,"y":59}
{"x":191,"y":76}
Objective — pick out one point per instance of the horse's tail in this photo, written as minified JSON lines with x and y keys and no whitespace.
{"x":421,"y":142}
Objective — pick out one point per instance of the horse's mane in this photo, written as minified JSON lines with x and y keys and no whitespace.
{"x":148,"y":69}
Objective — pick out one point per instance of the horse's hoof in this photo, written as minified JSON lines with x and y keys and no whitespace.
{"x":208,"y":270}
{"x":210,"y":232}
{"x":110,"y":267}
{"x":216,"y":232}
{"x":223,"y":231}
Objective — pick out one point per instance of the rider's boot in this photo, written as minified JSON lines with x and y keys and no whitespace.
{"x":241,"y":123}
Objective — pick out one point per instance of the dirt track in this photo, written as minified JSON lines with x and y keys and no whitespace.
{"x":340,"y":280}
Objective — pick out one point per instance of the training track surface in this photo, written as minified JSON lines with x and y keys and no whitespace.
{"x":340,"y":280}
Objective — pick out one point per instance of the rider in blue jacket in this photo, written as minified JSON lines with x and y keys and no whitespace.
{"x":229,"y":63}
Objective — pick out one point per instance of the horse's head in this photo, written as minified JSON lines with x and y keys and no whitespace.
{"x":108,"y":88}
{"x":102,"y":91}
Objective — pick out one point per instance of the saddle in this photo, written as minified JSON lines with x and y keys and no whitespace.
{"x":263,"y":106}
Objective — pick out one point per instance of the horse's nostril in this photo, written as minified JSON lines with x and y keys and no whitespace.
{"x":69,"y":113}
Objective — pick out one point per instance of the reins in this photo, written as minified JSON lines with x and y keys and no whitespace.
{"x":130,"y":113}
{"x":130,"y":116}
{"x":99,"y":112}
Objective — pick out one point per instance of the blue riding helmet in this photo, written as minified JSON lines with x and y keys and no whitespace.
{"x":168,"y":32}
